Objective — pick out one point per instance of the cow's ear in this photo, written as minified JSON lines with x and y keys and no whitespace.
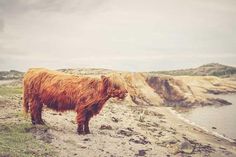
{"x":105,"y":81}
{"x":103,"y":77}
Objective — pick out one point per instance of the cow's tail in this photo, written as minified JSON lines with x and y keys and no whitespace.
{"x":25,"y":102}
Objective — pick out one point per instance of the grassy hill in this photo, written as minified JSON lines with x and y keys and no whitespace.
{"x":212,"y":69}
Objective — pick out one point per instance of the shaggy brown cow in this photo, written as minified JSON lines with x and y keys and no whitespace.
{"x":62,"y":92}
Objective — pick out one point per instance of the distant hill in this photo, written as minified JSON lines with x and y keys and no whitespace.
{"x":212,"y":69}
{"x":11,"y":75}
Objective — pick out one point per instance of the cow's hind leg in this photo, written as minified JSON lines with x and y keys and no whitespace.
{"x":36,"y":112}
{"x":39,"y":119}
{"x":32,"y":118}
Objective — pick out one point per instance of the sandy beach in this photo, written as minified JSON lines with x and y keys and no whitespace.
{"x":124,"y":130}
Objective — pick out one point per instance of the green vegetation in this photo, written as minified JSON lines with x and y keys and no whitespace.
{"x":10,"y":90}
{"x":18,"y":137}
{"x":17,"y":140}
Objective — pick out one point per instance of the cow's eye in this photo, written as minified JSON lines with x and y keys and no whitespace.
{"x":116,"y":86}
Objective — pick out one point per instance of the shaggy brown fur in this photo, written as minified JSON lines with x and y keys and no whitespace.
{"x":62,"y":92}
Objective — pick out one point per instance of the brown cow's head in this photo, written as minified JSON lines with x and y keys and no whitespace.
{"x":115,"y":87}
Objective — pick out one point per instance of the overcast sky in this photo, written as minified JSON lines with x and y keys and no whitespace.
{"x":134,"y":35}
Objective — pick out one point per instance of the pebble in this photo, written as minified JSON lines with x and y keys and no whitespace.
{"x":105,"y":127}
{"x":114,"y":119}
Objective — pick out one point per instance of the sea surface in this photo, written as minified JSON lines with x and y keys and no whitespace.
{"x":220,"y":119}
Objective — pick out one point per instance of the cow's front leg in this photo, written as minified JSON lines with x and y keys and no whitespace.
{"x":39,"y":119}
{"x":83,"y":117}
{"x":88,"y":114}
{"x":86,"y":127}
{"x":80,"y":129}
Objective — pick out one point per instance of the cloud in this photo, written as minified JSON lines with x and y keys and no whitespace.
{"x":1,"y":25}
{"x":24,"y":6}
{"x":130,"y":34}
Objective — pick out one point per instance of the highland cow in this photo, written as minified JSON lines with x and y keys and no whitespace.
{"x":63,"y":92}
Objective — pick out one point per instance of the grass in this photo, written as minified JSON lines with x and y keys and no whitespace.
{"x":17,"y":140}
{"x":10,"y":90}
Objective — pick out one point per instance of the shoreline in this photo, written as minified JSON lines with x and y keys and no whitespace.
{"x":193,"y":124}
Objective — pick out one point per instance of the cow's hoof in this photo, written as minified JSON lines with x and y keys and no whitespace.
{"x":40,"y":122}
{"x":80,"y":133}
{"x":87,"y":132}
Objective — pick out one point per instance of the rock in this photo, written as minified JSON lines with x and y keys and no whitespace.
{"x":213,"y":127}
{"x":186,"y":147}
{"x":141,"y":118}
{"x":168,"y":140}
{"x":174,"y":149}
{"x":222,"y":148}
{"x":130,"y":129}
{"x":101,"y":149}
{"x":114,"y":119}
{"x":125,"y":132}
{"x":155,"y":124}
{"x":219,"y":101}
{"x":83,"y":146}
{"x":139,"y":140}
{"x":204,"y":148}
{"x":141,"y":152}
{"x":162,"y":121}
{"x":86,"y":139}
{"x":105,"y":127}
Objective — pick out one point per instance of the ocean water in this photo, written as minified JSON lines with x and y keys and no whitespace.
{"x":220,"y":119}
